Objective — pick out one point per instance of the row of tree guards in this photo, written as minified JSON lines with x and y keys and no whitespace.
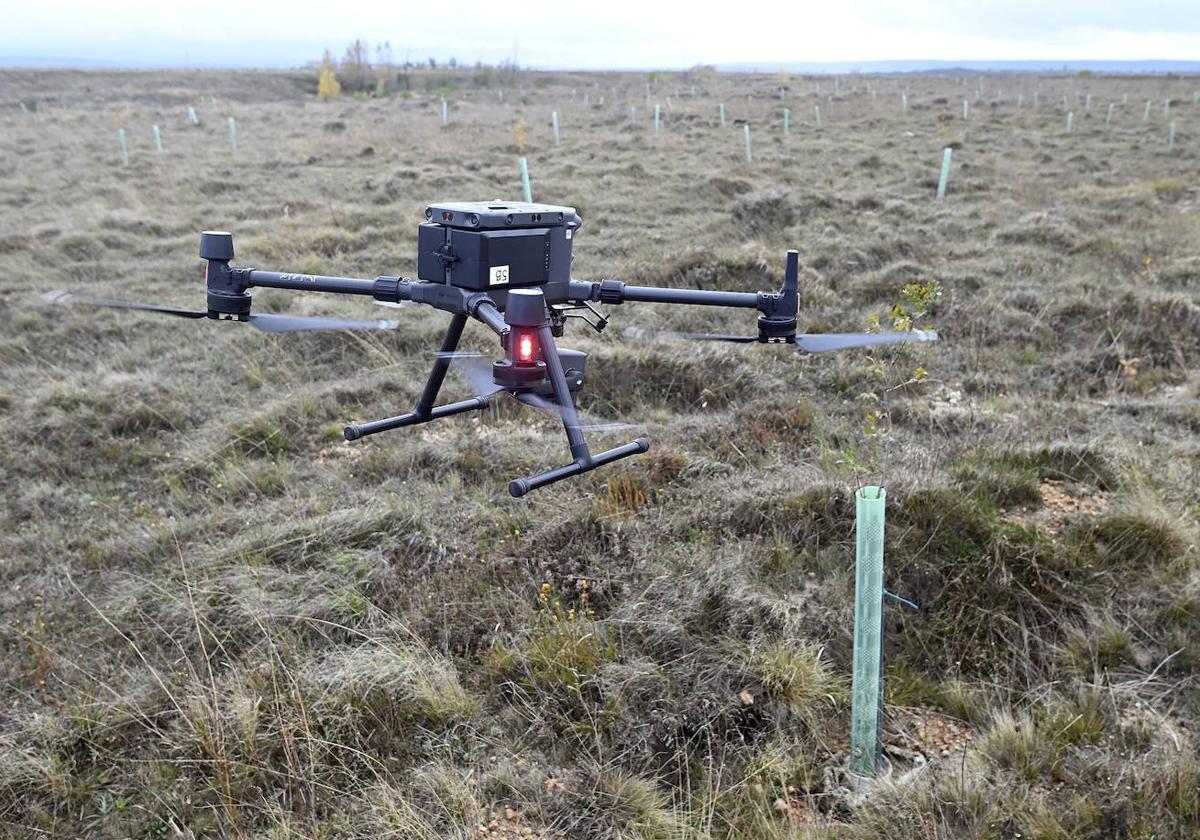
{"x":123,"y":144}
{"x":785,"y":114}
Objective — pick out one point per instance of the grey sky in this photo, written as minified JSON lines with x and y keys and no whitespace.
{"x":610,"y":33}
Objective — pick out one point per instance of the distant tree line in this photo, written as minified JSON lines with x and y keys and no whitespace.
{"x":358,"y":74}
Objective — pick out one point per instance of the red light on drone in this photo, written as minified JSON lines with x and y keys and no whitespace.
{"x":525,"y":348}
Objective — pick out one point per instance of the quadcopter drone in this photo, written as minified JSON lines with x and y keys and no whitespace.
{"x":508,"y":266}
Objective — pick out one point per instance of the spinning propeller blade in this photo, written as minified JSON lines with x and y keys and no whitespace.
{"x":637,"y":332}
{"x":68,"y":298}
{"x":267,"y":322}
{"x":296,"y":323}
{"x":809,"y":342}
{"x":587,"y":423}
{"x":478,"y":373}
{"x":822,"y":342}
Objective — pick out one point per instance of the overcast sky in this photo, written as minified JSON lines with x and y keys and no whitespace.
{"x":609,"y":33}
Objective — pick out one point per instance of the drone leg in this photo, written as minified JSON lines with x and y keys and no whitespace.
{"x":425,"y":410}
{"x":562,"y":394}
{"x":584,"y":461}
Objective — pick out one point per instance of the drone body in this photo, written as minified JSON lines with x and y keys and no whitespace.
{"x":508,"y":266}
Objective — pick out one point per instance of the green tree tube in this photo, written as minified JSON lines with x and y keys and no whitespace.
{"x":787,"y":116}
{"x":722,"y":115}
{"x":193,"y":116}
{"x":746,"y":134}
{"x":1070,"y":120}
{"x":554,"y":123}
{"x":526,"y":189}
{"x":817,"y":108}
{"x":657,"y":116}
{"x":157,"y":139}
{"x":944,"y":178}
{"x":866,"y":711}
{"x":1108,"y":119}
{"x":233,"y":135}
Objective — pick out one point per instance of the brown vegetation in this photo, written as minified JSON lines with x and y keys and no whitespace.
{"x":220,"y":620}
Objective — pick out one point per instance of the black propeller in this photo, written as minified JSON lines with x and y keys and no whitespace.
{"x":268,"y":322}
{"x":68,"y":298}
{"x":808,"y":342}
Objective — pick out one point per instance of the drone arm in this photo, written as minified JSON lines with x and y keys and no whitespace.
{"x":614,"y":292}
{"x":777,"y":310}
{"x":484,"y":308}
{"x":391,"y":289}
{"x":781,"y":304}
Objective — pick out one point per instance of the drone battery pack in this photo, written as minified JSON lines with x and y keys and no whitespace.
{"x":481,"y":260}
{"x":486,"y":247}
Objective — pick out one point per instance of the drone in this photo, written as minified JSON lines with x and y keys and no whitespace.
{"x":508,"y":266}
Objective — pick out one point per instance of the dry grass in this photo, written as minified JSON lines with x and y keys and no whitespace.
{"x":220,"y":620}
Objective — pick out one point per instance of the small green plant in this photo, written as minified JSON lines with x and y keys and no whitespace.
{"x":884,"y":372}
{"x":795,"y":674}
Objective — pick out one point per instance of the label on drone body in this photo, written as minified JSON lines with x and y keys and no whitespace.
{"x":498,"y":274}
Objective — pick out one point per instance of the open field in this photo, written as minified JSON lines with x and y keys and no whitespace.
{"x":218,"y":619}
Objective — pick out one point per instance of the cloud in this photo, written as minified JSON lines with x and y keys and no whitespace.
{"x":615,"y":33}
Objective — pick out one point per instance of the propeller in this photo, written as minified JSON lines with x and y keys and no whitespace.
{"x":479,"y":374}
{"x":587,"y":423}
{"x":823,"y":342}
{"x":298,"y":323}
{"x":269,"y":322}
{"x":68,"y":298}
{"x":807,"y":342}
{"x":639,"y":333}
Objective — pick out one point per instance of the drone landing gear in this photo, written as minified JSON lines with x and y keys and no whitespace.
{"x":584,"y":461}
{"x":425,"y":410}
